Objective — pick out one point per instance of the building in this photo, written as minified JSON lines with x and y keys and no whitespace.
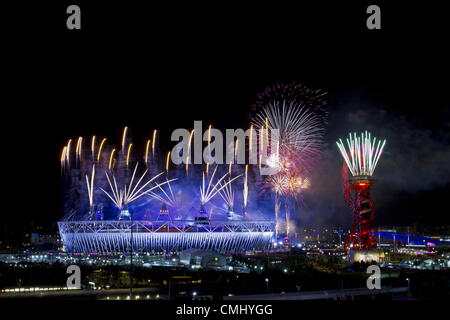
{"x":115,"y":237}
{"x":374,"y":255}
{"x":202,"y":258}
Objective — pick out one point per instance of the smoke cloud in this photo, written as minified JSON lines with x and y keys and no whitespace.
{"x":415,"y":161}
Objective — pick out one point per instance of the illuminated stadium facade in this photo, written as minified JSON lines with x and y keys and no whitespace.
{"x":116,"y":237}
{"x":115,"y":203}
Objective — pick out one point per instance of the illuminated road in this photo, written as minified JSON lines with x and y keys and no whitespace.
{"x":315,"y":295}
{"x":79,"y":293}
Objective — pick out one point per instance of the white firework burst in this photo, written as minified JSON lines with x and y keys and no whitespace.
{"x":362,"y":156}
{"x":300,"y":130}
{"x":208,"y":192}
{"x":130,"y":193}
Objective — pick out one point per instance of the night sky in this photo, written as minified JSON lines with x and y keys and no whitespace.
{"x":164,"y":69}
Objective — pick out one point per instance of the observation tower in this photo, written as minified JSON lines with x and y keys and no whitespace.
{"x":361,"y":160}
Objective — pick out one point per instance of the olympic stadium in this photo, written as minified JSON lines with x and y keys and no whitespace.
{"x":113,"y":207}
{"x":113,"y":237}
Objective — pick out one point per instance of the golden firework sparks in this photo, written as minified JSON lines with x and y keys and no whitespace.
{"x":146,"y":151}
{"x":167,"y":162}
{"x":124,"y":137}
{"x":93,"y":147}
{"x":128,"y":153}
{"x":100,"y":149}
{"x":111,"y":158}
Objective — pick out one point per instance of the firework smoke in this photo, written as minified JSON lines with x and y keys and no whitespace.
{"x":298,"y":113}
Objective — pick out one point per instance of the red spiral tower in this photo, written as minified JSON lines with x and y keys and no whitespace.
{"x":360,"y":160}
{"x":357,"y":197}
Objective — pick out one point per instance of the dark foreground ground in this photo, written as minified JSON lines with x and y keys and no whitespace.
{"x":295,"y":274}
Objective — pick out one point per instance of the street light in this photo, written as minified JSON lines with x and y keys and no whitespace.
{"x":267,"y":284}
{"x":407,"y":279}
{"x":194,"y":294}
{"x":298,"y":289}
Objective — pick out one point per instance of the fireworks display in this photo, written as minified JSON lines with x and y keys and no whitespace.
{"x":207,"y":193}
{"x":300,"y":136}
{"x":299,"y":115}
{"x":117,"y":183}
{"x":361,"y":160}
{"x":363,"y":157}
{"x":168,"y":207}
{"x":117,"y":187}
